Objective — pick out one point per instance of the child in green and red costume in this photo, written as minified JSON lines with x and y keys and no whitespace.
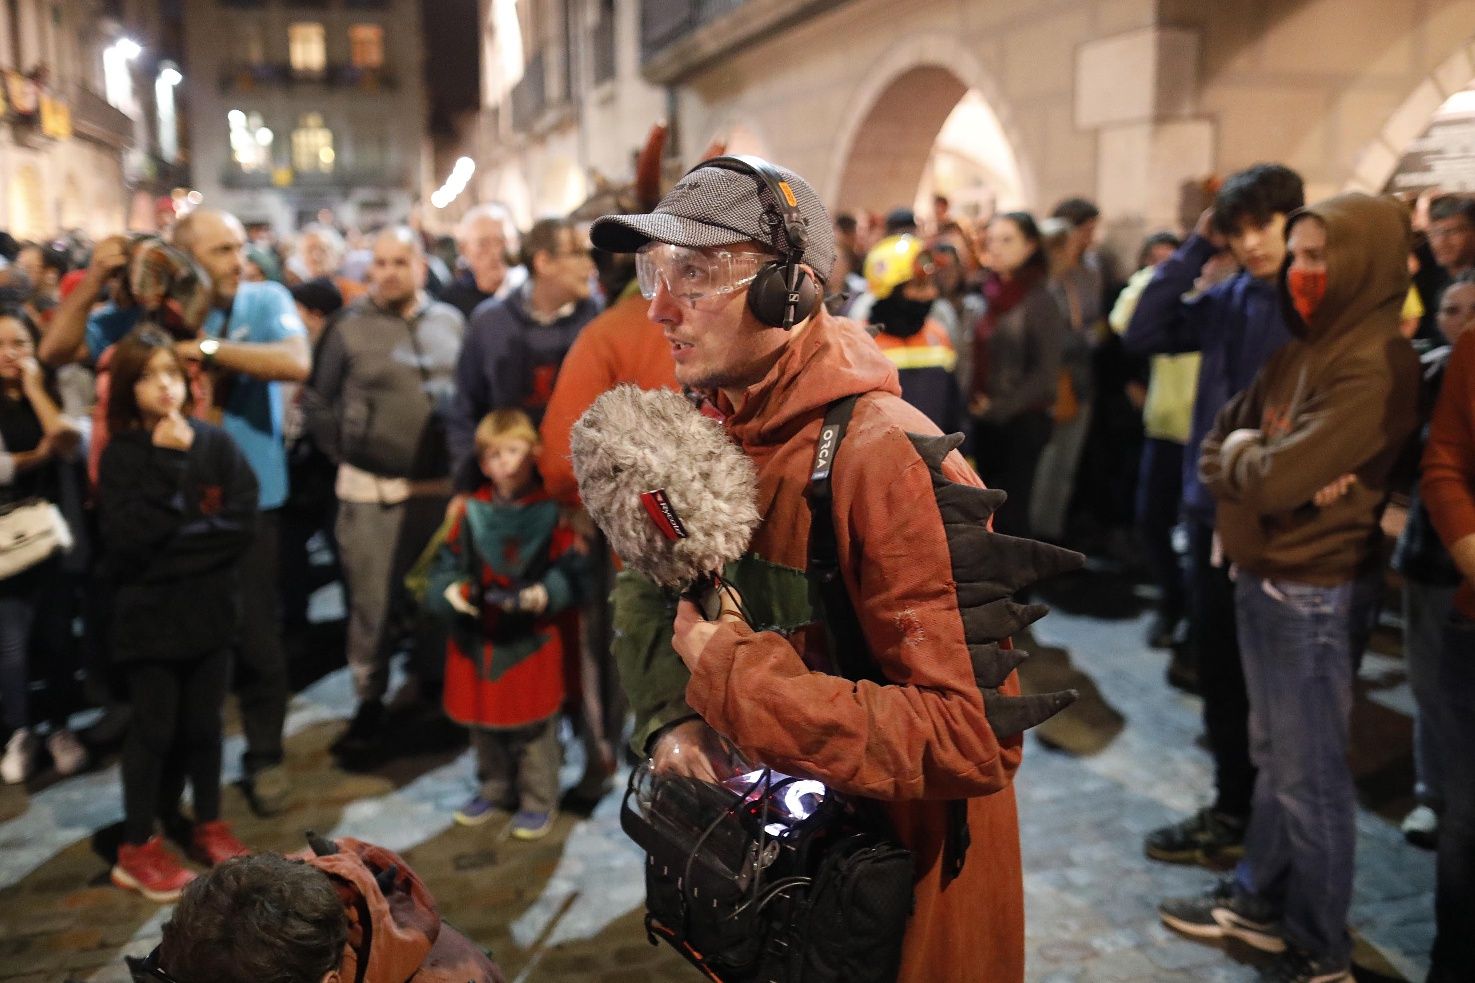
{"x":510,"y":571}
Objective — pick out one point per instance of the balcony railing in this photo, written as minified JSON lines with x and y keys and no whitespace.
{"x":232,"y":176}
{"x":679,"y":38}
{"x":263,"y":75}
{"x":664,"y":22}
{"x":94,"y":118}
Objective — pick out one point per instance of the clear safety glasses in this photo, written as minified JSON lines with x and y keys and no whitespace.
{"x":692,"y":275}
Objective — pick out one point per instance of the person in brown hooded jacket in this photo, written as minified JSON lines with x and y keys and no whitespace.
{"x":1302,"y":465}
{"x":346,"y":911}
{"x":930,"y":586}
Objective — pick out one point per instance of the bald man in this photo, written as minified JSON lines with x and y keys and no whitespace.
{"x":375,"y":406}
{"x":251,"y":341}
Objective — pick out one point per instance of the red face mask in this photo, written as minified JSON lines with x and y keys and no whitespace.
{"x":1307,"y":289}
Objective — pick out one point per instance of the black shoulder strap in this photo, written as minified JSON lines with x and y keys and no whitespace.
{"x":848,"y":651}
{"x":850,"y":655}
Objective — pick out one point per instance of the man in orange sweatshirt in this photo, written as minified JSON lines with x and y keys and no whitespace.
{"x":734,"y":261}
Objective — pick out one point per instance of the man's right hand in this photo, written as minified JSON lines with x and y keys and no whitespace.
{"x":692,"y":749}
{"x":108,"y":256}
{"x":1204,"y":229}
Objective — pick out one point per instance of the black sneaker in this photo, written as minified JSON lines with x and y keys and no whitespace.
{"x":1206,"y":837}
{"x":1163,"y":631}
{"x":363,"y":730}
{"x":1297,"y":966}
{"x":1222,"y":912}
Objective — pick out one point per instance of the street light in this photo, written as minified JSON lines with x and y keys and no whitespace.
{"x":116,"y":79}
{"x":171,"y":77}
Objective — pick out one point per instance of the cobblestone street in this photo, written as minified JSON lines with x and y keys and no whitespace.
{"x":568,"y":908}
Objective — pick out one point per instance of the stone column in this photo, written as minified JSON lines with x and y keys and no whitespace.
{"x":1139,"y":91}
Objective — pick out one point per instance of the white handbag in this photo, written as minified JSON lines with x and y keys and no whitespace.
{"x":31,"y":531}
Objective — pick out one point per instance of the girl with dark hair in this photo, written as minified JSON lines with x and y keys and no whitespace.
{"x":34,"y":440}
{"x":1016,"y":365}
{"x":178,"y":507}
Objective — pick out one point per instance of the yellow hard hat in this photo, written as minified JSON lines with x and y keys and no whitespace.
{"x":893,"y":261}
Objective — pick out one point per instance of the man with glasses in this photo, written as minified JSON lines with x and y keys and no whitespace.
{"x":1452,"y":233}
{"x":516,"y":344}
{"x":735,"y":261}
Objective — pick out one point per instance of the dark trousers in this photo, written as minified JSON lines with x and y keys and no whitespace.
{"x":175,"y":729}
{"x":1453,"y":712}
{"x":519,"y":764}
{"x":261,"y":663}
{"x":1214,"y":641}
{"x":1159,"y":490}
{"x":1008,"y":455}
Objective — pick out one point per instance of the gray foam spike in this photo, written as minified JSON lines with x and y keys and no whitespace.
{"x":1011,"y":715}
{"x":992,"y":664}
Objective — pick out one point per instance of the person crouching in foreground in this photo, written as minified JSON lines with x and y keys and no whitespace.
{"x":350,"y":912}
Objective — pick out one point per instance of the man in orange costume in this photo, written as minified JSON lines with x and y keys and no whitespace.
{"x":943,"y":721}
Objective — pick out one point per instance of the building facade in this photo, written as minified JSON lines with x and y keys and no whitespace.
{"x":77,"y":129}
{"x":309,"y":105}
{"x":565,"y":106}
{"x":1134,"y":103}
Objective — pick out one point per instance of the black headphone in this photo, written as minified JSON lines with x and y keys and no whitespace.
{"x":782,"y":293}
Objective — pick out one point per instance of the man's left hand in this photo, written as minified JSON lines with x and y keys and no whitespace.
{"x":693,"y":631}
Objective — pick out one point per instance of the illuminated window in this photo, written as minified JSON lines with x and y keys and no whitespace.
{"x":366,"y":46}
{"x":312,"y":145}
{"x":250,"y":140}
{"x":308,"y":46}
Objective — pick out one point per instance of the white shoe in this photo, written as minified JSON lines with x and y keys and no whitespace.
{"x":20,"y":755}
{"x":1421,"y":826}
{"x":68,"y":754}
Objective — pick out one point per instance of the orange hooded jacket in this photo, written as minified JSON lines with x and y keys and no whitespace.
{"x":925,"y":738}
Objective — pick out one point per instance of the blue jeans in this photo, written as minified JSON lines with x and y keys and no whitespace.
{"x":1453,"y":711}
{"x":1297,"y":642}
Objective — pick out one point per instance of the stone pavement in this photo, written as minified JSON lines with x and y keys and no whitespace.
{"x":568,"y":908}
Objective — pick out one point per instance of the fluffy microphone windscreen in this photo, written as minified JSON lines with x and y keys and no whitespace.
{"x":676,"y":497}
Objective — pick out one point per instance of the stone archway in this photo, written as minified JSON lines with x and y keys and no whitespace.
{"x":890,"y":133}
{"x":1378,"y":161}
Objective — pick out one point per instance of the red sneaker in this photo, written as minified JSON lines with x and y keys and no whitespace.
{"x":151,"y":870}
{"x":214,"y":843}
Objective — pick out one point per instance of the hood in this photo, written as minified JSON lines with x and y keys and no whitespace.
{"x":831,"y":358}
{"x":1368,"y":242}
{"x":392,"y":919}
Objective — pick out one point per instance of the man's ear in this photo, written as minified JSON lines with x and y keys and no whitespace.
{"x":332,"y":976}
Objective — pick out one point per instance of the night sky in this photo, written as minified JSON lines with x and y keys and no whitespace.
{"x":452,"y":61}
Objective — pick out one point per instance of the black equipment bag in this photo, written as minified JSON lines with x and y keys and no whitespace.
{"x":749,"y":897}
{"x":746,"y":899}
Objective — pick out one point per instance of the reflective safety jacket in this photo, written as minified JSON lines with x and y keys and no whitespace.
{"x":925,"y":362}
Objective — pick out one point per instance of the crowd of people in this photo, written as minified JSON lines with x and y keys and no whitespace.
{"x":1261,"y":418}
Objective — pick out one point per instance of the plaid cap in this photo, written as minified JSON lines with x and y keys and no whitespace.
{"x":713,"y":206}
